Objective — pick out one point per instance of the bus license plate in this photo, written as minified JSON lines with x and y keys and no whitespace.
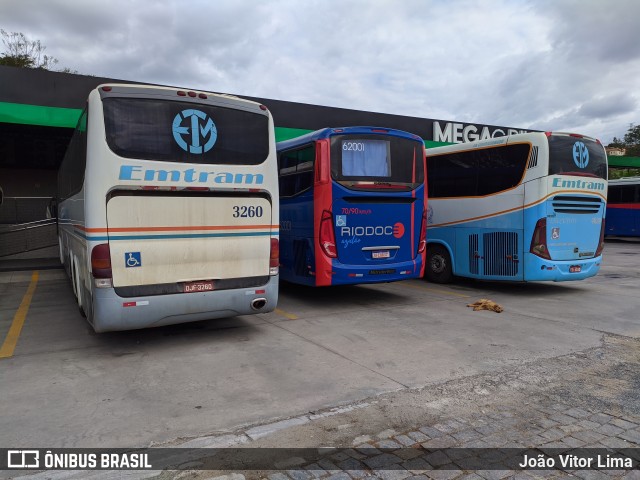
{"x":192,"y":287}
{"x":575,"y":269}
{"x":381,"y":254}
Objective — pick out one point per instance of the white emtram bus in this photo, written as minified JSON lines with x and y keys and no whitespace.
{"x":524,"y":207}
{"x":168,"y":207}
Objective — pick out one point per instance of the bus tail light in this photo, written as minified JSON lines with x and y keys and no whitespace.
{"x":422,"y":244}
{"x":327,"y":235}
{"x":323,"y":172}
{"x":101,"y":261}
{"x":274,"y":257}
{"x":539,"y":240}
{"x":601,"y":241}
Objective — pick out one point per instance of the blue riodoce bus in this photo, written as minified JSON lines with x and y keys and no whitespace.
{"x":352,"y":206}
{"x":623,"y":207}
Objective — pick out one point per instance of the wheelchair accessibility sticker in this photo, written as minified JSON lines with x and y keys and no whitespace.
{"x":132,"y":259}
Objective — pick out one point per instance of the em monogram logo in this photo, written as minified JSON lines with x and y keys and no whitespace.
{"x":580,"y":155}
{"x":205,"y":131}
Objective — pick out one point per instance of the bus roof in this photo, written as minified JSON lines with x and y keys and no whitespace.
{"x":625,"y":181}
{"x":328,"y":132}
{"x":187,"y":93}
{"x":504,"y":140}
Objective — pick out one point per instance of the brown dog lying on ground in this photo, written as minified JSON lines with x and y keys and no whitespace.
{"x":484,"y":304}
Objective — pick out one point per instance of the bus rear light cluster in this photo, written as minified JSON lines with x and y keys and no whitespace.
{"x":182,"y":93}
{"x":539,"y":240}
{"x":601,"y":241}
{"x":101,"y":263}
{"x":274,"y":257}
{"x":327,"y":235}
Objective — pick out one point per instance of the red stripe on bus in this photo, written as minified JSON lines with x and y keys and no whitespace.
{"x":626,"y":206}
{"x":322,"y":200}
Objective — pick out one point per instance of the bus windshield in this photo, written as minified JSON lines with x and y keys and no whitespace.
{"x":175,"y":131}
{"x":570,"y":155}
{"x":373,"y":162}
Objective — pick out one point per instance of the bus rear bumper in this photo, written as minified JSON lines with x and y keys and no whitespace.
{"x":539,"y":269}
{"x":113,"y":313}
{"x":390,"y":272}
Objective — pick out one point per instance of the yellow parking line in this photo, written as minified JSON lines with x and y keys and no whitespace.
{"x":11,"y":341}
{"x":288,"y":315}
{"x":435,"y":290}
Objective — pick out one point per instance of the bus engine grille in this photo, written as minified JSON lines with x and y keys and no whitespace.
{"x":575,"y":204}
{"x":499,"y":256}
{"x":500,"y":251}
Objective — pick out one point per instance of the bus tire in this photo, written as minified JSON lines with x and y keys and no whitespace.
{"x":438,"y":268}
{"x":87,"y":305}
{"x":61,"y":250}
{"x":72,"y":275}
{"x":79,"y":287}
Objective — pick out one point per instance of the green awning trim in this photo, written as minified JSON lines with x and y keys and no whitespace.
{"x":624,"y":162}
{"x":68,"y":118}
{"x":432,"y":144}
{"x":284,"y":133}
{"x":39,"y":115}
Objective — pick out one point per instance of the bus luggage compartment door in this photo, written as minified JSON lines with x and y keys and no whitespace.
{"x":172,"y":238}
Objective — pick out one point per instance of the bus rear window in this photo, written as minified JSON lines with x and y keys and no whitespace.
{"x":576,"y":156}
{"x":377,"y":159}
{"x":366,"y":158}
{"x":176,"y":131}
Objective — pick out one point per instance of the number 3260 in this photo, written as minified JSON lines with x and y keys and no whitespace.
{"x":244,"y":211}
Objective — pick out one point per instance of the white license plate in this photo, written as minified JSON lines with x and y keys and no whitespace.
{"x":192,"y":287}
{"x":381,"y":254}
{"x":575,"y":269}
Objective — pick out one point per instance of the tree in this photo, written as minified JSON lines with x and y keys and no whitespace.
{"x":24,"y":53}
{"x":632,"y":140}
{"x":631,"y":144}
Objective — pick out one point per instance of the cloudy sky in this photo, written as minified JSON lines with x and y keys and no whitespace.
{"x":571,"y":65}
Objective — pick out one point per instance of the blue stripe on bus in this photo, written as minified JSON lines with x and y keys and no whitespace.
{"x":167,"y":237}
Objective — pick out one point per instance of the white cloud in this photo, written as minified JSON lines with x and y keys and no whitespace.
{"x":545,"y":64}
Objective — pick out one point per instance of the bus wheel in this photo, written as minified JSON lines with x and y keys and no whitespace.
{"x":438,"y":268}
{"x":79,"y":288}
{"x":87,"y":305}
{"x":72,"y":275}
{"x":61,"y":250}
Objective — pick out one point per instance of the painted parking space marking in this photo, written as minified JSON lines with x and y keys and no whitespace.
{"x":285,"y":314}
{"x":10,"y":342}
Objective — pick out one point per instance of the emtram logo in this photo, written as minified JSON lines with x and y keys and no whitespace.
{"x":580,"y":154}
{"x":199,"y":127}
